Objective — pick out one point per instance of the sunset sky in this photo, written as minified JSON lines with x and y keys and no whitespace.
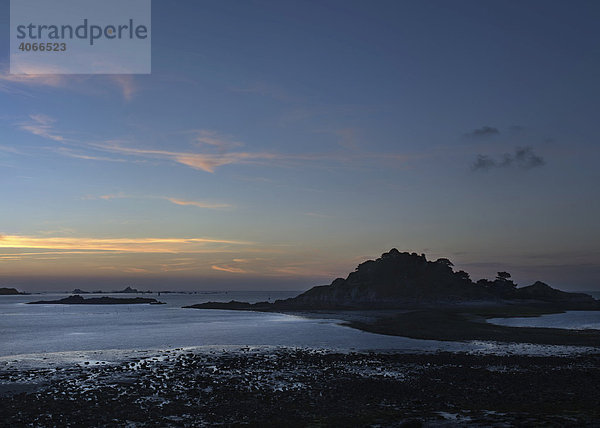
{"x":277,"y":144}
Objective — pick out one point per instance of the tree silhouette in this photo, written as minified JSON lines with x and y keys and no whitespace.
{"x":445,"y":262}
{"x":503,"y":276}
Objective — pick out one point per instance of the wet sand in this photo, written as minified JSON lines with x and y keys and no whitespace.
{"x":299,"y":387}
{"x":459,"y":323}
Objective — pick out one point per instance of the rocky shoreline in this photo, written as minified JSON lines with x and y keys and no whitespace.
{"x":300,"y":387}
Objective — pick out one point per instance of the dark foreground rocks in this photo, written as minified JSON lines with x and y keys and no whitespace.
{"x":309,"y":388}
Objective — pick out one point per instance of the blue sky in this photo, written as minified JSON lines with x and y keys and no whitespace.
{"x":277,"y":144}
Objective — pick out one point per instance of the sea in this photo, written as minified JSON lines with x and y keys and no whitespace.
{"x":50,"y":333}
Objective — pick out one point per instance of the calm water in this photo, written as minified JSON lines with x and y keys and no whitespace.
{"x":45,"y":329}
{"x":26,"y":329}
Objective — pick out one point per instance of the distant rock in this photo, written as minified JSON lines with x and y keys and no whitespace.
{"x":79,"y":291}
{"x":543,"y":292}
{"x":128,"y":290}
{"x":78,"y":300}
{"x":9,"y":291}
{"x":231,"y":305}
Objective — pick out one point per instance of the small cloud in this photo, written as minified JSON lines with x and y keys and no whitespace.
{"x":484,"y":131}
{"x":136,"y":270}
{"x":483,"y":162}
{"x":119,"y":195}
{"x":42,"y":119}
{"x":197,"y":204}
{"x":229,"y":269}
{"x":203,"y":162}
{"x":320,"y":215}
{"x":212,"y":138}
{"x":106,"y":197}
{"x":525,"y":158}
{"x":522,"y":158}
{"x":42,"y":126}
{"x":126,"y":84}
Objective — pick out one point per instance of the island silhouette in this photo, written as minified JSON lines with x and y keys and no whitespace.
{"x":405,"y":294}
{"x":78,"y":300}
{"x":5,"y":291}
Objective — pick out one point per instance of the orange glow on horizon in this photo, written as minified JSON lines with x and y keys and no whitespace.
{"x":127,"y":245}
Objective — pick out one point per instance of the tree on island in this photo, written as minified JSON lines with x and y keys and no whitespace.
{"x":445,"y":262}
{"x":503,"y":276}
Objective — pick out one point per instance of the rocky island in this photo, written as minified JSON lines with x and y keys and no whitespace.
{"x":126,"y":290}
{"x":78,"y":300}
{"x":405,"y":294}
{"x":4,"y":291}
{"x":399,"y":293}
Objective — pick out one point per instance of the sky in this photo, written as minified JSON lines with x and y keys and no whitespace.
{"x":278,"y":144}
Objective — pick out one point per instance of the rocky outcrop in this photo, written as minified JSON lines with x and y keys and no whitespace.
{"x":543,"y":292}
{"x":127,"y":290}
{"x":397,"y":280}
{"x":9,"y":291}
{"x":394,"y":279}
{"x":78,"y":300}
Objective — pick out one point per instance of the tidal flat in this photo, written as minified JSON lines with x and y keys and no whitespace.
{"x":307,"y":387}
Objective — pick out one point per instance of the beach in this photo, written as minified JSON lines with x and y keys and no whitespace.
{"x":149,"y":365}
{"x":307,"y":387}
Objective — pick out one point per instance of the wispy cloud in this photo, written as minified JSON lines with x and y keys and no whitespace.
{"x":205,"y":137}
{"x":135,"y":270}
{"x":41,"y":125}
{"x":173,"y":200}
{"x":126,"y":84}
{"x":119,"y":195}
{"x":229,"y":269}
{"x":209,"y":162}
{"x":121,"y":245}
{"x":217,"y":156}
{"x":523,"y":158}
{"x":65,"y":151}
{"x":203,"y":161}
{"x":198,"y":204}
{"x":11,"y":82}
{"x":22,"y":84}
